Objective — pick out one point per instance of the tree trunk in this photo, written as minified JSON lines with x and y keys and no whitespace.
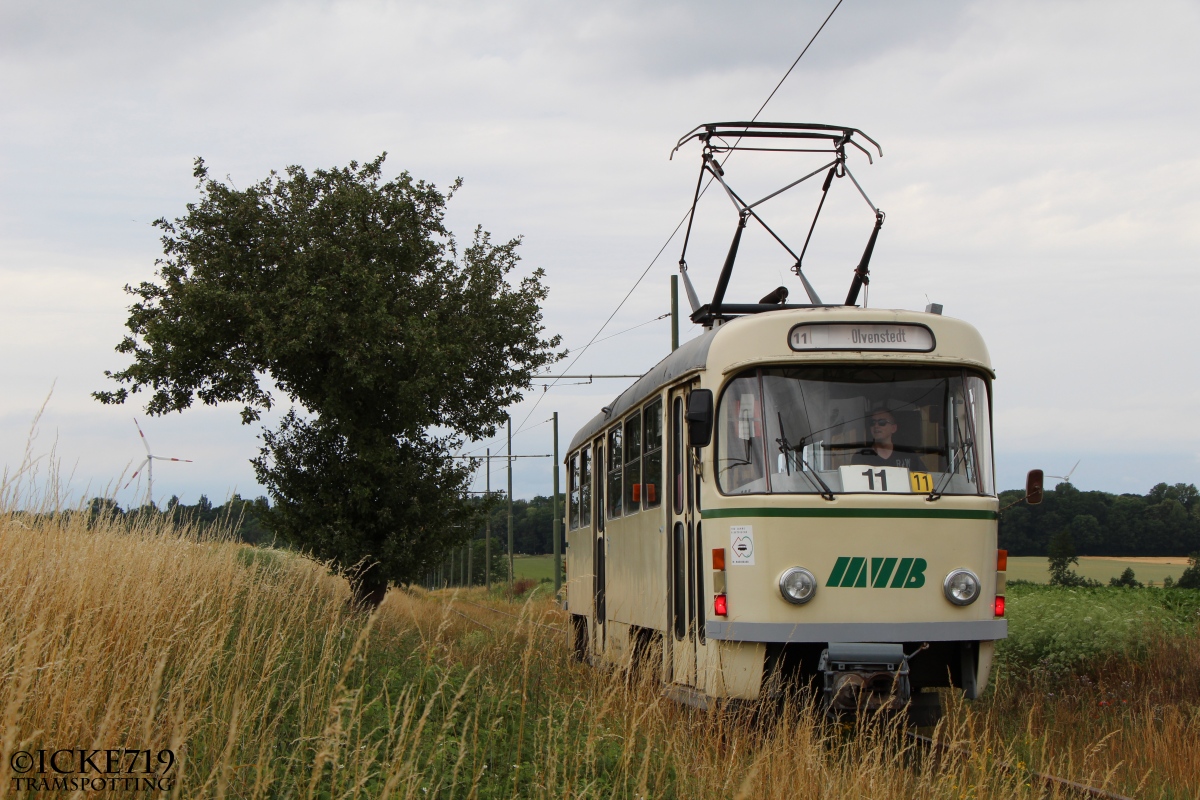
{"x":369,"y":589}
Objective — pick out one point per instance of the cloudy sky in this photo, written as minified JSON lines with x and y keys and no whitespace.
{"x":1040,"y":177}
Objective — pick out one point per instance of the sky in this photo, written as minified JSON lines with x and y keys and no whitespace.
{"x":1040,"y":178}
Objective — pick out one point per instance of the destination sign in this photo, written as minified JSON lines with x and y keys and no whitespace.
{"x":865,"y":336}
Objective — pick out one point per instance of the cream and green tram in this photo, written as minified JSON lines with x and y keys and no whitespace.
{"x":795,"y":497}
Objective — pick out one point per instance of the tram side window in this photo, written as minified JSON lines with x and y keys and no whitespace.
{"x":677,"y":453}
{"x":742,"y":465}
{"x":652,"y":480}
{"x":598,"y":477}
{"x":585,"y":487}
{"x":573,"y":483}
{"x":614,"y":472}
{"x":633,"y":463}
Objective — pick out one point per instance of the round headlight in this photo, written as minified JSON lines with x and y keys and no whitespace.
{"x":798,"y":585}
{"x":961,"y":587}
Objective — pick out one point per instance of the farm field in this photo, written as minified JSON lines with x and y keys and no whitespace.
{"x":535,"y":567}
{"x":1147,"y":570}
{"x":248,"y":665}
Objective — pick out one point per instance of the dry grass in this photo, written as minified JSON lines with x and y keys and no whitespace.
{"x":250,"y":667}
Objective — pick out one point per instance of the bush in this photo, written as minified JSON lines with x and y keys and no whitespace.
{"x":1077,"y":629}
{"x":1126,"y":579}
{"x":1190,"y":579}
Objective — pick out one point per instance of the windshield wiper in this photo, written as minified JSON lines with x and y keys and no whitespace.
{"x":809,"y":472}
{"x":967,"y":446}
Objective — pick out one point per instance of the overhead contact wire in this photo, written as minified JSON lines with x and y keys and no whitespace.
{"x":654,"y":260}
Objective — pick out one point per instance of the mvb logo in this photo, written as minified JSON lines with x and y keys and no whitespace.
{"x":853,"y":572}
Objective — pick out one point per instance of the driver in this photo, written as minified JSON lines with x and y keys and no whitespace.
{"x":883,"y":452}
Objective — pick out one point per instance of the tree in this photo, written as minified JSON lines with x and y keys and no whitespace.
{"x":1190,"y":579}
{"x":1085,"y":533}
{"x":347,"y":294}
{"x":1127,"y":579}
{"x":1062,"y":556}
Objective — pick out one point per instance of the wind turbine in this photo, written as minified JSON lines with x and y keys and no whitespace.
{"x":148,"y":463}
{"x":1066,"y":478}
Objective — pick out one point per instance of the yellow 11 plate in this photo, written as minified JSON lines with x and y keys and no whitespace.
{"x":922,"y":482}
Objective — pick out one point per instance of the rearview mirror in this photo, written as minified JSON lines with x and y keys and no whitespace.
{"x":1033,"y":487}
{"x":700,"y":417}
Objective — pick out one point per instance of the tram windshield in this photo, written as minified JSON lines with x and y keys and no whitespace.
{"x":838,"y":429}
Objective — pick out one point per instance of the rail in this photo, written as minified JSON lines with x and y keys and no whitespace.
{"x":1042,"y":777}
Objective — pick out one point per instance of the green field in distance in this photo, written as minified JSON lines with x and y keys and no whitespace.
{"x":1035,"y":569}
{"x":536,"y":567}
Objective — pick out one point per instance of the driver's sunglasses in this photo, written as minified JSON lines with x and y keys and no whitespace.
{"x":879,"y":423}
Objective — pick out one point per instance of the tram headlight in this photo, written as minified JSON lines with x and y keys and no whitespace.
{"x":797,"y":585}
{"x":961,"y":587}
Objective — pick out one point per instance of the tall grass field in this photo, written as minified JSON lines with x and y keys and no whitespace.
{"x":250,"y":668}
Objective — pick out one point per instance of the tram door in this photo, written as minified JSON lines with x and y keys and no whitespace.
{"x":599,"y":477}
{"x":682,"y":563}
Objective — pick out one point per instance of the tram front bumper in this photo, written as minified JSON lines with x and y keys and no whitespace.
{"x":879,"y":632}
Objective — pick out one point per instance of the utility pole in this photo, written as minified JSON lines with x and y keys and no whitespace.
{"x":510,"y":510}
{"x":471,"y":560}
{"x":674,"y":313}
{"x":487,"y":543}
{"x":557,"y":516}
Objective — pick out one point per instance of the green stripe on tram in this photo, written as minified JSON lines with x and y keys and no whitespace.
{"x":849,"y":513}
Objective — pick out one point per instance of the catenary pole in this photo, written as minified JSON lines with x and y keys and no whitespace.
{"x":487,"y":543}
{"x":471,"y":560}
{"x":557,"y":516}
{"x":510,"y":508}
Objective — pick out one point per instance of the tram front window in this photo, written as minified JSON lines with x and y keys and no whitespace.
{"x":841,"y":429}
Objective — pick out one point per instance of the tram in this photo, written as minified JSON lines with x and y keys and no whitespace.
{"x":802,"y":495}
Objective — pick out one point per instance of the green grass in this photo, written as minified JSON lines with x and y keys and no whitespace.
{"x":1035,"y":569}
{"x":1062,"y":629}
{"x":537,"y":567}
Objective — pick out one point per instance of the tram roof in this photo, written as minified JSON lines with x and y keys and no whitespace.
{"x":691,"y":355}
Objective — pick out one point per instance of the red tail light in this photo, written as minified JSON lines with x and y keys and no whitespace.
{"x":720,"y":607}
{"x":998,"y":608}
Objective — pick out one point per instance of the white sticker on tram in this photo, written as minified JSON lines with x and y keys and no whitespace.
{"x":741,"y":544}
{"x":866,"y":336}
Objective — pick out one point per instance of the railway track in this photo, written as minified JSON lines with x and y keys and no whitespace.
{"x":931,"y":745}
{"x":1052,"y":781}
{"x":452,"y":601}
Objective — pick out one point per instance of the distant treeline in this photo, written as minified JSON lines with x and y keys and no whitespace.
{"x":244,"y":518}
{"x":533,"y":523}
{"x":1163,"y":522}
{"x":532,"y":519}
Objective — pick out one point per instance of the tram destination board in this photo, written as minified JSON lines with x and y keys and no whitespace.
{"x":867,"y":336}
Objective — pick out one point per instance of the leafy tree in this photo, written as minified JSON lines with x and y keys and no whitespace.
{"x":1163,"y":522}
{"x":1062,"y":556}
{"x":1085,"y":532}
{"x":345,"y":293}
{"x":1190,"y":579}
{"x":1127,"y":579}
